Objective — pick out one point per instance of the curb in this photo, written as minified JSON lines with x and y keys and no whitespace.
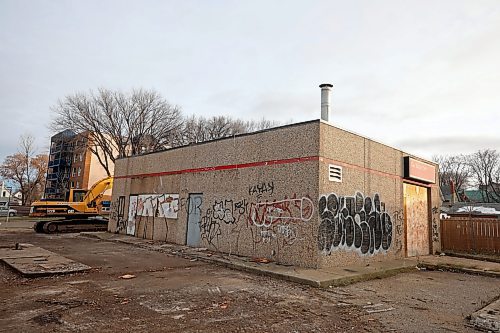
{"x":455,"y":268}
{"x":255,"y":268}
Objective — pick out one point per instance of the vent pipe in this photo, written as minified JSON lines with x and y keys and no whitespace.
{"x":326,"y":88}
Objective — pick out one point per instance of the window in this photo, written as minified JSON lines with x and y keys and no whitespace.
{"x":73,"y":172}
{"x":72,"y":184}
{"x":81,"y":157}
{"x":79,"y":171}
{"x":74,"y":158}
{"x":77,"y":184}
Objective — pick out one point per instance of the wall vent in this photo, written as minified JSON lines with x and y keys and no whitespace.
{"x":335,"y":173}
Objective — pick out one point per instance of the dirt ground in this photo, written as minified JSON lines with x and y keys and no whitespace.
{"x":172,"y":294}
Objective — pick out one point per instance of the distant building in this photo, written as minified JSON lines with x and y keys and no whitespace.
{"x":6,"y":195}
{"x":71,"y":164}
{"x":483,"y":210}
{"x":4,"y":190}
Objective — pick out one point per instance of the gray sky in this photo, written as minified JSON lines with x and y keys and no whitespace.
{"x":423,"y":76}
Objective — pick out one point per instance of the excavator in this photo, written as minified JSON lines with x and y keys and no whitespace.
{"x":84,"y":211}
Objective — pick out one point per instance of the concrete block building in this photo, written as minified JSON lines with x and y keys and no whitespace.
{"x":308,"y":194}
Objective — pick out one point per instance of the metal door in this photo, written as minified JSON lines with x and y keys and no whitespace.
{"x":416,"y":220}
{"x":193,"y":236}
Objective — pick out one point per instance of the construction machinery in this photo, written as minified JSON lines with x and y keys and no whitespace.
{"x":84,"y":211}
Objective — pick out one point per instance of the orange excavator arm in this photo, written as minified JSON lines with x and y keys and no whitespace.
{"x":94,"y":195}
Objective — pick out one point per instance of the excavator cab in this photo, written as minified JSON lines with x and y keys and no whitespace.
{"x":76,"y":195}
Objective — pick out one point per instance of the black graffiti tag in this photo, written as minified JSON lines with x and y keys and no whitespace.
{"x":354,"y":223}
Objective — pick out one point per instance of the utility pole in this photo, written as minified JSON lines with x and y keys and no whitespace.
{"x":9,"y":189}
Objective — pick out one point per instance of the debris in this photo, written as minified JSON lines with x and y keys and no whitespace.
{"x":199,"y":249}
{"x":194,"y":259}
{"x":373,"y":305}
{"x":442,"y":254}
{"x":222,"y":305}
{"x":343,"y":304}
{"x":209,"y":254}
{"x":125,"y":301}
{"x":380,"y":310}
{"x":261,"y":260}
{"x":215,"y":290}
{"x":178,"y":316}
{"x":127,"y":276}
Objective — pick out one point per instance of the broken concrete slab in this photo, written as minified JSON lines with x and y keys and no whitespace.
{"x":488,"y":318}
{"x":471,"y":266}
{"x":321,"y":277}
{"x":34,"y":261}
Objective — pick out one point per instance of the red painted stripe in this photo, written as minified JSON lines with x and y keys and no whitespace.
{"x":223,"y":167}
{"x":270,"y":163}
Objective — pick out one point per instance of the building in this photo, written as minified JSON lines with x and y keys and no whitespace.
{"x":71,"y":164}
{"x":308,"y":194}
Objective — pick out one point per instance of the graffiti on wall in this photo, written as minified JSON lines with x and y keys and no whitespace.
{"x":224,"y":211}
{"x":398,"y":229}
{"x":132,"y":214}
{"x":158,"y":205}
{"x":435,"y":224}
{"x":265,"y":214}
{"x":117,"y":213}
{"x":356,"y":223}
{"x":261,"y":188}
{"x":266,"y":220}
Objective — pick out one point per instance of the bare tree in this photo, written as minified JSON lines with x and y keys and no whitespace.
{"x":485,"y":168}
{"x":119,"y":124}
{"x":26,"y":170}
{"x":453,"y":168}
{"x":199,"y":129}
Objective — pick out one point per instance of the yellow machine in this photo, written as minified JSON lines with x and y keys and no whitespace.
{"x":85,"y":211}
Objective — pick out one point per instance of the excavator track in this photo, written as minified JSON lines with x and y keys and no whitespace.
{"x":70,"y":225}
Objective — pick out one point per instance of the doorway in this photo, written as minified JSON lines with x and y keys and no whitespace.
{"x":193,"y":236}
{"x":416,"y":220}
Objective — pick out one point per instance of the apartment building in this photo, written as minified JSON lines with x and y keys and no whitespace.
{"x":71,"y":164}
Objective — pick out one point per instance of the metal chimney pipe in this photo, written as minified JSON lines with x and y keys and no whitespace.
{"x":325,"y":100}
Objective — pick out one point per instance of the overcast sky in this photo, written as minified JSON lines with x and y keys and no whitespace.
{"x":423,"y":76}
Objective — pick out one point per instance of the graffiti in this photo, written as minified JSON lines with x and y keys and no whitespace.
{"x":435,"y":224}
{"x":155,"y":206}
{"x":132,"y":214}
{"x":158,"y":205}
{"x":288,"y":232}
{"x":261,"y":188}
{"x":398,"y":218}
{"x":223,"y":211}
{"x":117,"y":212}
{"x":265,"y":214}
{"x":274,"y":220}
{"x":210,"y":228}
{"x":267,"y":236}
{"x":355,"y":223}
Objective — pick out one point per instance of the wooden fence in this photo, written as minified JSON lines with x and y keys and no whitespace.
{"x":472,"y":235}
